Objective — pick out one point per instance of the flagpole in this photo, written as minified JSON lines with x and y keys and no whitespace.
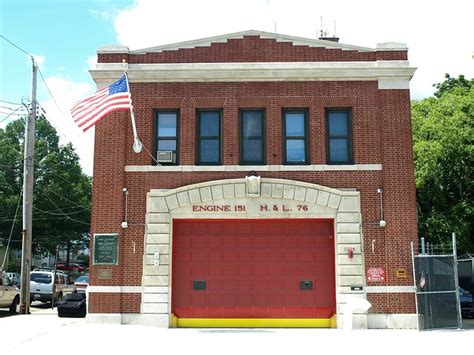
{"x":137,"y":145}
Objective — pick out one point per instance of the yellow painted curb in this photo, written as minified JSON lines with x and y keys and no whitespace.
{"x":255,"y":322}
{"x":173,"y":321}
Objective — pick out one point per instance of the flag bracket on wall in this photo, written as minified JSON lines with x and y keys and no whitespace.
{"x":89,"y":111}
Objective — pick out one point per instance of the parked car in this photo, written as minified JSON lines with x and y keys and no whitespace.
{"x":466,"y":299}
{"x":71,"y":267}
{"x":73,"y":305}
{"x":9,"y":294}
{"x":14,"y":277}
{"x":81,"y":283}
{"x":41,"y":286}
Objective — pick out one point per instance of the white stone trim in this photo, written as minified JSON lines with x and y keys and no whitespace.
{"x":129,"y":318}
{"x":199,"y":168}
{"x":254,"y":71}
{"x":391,"y":46}
{"x":115,"y":289}
{"x":390,"y":289}
{"x":394,"y":84}
{"x":392,"y":321}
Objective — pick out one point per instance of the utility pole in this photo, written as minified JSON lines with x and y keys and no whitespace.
{"x":28,"y":169}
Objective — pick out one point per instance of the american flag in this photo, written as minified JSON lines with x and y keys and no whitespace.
{"x":89,"y":111}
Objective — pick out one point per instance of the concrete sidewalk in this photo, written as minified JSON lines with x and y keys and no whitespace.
{"x":43,"y":331}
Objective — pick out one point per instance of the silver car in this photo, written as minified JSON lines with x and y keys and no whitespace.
{"x":9,"y":294}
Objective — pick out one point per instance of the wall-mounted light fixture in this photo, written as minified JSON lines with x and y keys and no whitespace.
{"x":124,"y":224}
{"x":382,"y":222}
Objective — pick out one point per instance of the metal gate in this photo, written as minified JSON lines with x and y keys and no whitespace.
{"x":437,"y":295}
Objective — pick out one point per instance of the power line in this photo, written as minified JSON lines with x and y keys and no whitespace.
{"x":59,"y":214}
{"x":12,"y":113}
{"x":18,"y":47}
{"x":11,"y":103}
{"x":65,"y":215}
{"x":11,"y":230}
{"x":8,"y":108}
{"x":51,"y":94}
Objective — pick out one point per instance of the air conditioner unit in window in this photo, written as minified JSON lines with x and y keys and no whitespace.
{"x":164,"y":156}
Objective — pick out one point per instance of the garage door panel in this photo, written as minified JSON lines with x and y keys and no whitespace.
{"x":198,"y":299}
{"x":229,"y":285}
{"x":291,"y":269}
{"x":274,"y":270}
{"x":244,"y":285}
{"x":261,"y":269}
{"x":245,"y":270}
{"x":198,"y":256}
{"x":253,"y":268}
{"x":199,"y":270}
{"x":214,"y":285}
{"x":260,"y":243}
{"x":275,"y":300}
{"x":276,"y":285}
{"x":307,"y":269}
{"x":214,"y":243}
{"x":229,"y":270}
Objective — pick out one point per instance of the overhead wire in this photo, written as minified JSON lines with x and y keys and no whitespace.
{"x":65,"y":215}
{"x":11,"y":230}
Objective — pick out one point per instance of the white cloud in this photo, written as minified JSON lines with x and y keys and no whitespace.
{"x":66,"y":93}
{"x":438,"y":35}
{"x":104,"y":14}
{"x":91,"y":62}
{"x":39,"y":59}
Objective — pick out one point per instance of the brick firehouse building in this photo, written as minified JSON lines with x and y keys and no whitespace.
{"x":275,"y":186}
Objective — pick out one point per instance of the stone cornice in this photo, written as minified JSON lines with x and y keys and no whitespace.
{"x":244,"y":72}
{"x":245,"y":168}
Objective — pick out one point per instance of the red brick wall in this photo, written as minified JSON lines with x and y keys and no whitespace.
{"x":114,"y":302}
{"x":392,"y":303}
{"x":253,"y":49}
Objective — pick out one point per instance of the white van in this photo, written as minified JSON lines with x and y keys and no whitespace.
{"x":41,"y":286}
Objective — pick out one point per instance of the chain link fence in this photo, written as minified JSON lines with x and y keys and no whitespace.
{"x":437,"y":294}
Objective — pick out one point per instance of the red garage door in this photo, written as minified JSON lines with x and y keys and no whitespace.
{"x":253,"y":269}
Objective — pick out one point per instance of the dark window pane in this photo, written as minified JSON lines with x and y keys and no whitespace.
{"x":167,"y":144}
{"x":295,"y":152}
{"x":338,"y":123}
{"x":167,"y":125}
{"x":294,"y":124}
{"x":252,"y":150}
{"x":338,"y":151}
{"x":252,"y":124}
{"x":209,"y":151}
{"x":209,"y":124}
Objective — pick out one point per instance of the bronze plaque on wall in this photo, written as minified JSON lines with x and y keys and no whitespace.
{"x":104,"y":274}
{"x":105,"y":249}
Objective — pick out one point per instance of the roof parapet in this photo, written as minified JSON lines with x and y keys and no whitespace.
{"x":391,"y":46}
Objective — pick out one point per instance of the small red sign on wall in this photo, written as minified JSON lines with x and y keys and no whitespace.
{"x":375,"y":274}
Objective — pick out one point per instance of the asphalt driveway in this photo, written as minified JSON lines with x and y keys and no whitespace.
{"x":43,"y":329}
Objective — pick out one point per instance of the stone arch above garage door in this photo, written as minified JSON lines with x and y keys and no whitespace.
{"x":277,"y":198}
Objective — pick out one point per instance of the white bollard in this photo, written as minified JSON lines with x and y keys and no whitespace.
{"x":354,"y":305}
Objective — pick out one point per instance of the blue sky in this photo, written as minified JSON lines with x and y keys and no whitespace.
{"x":64,"y":36}
{"x":65,"y":33}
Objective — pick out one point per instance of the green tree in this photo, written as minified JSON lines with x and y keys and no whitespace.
{"x":61,"y":194}
{"x":443,"y":137}
{"x":451,"y":83}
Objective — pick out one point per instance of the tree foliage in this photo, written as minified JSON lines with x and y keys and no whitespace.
{"x":444,"y":158}
{"x":61,"y":193}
